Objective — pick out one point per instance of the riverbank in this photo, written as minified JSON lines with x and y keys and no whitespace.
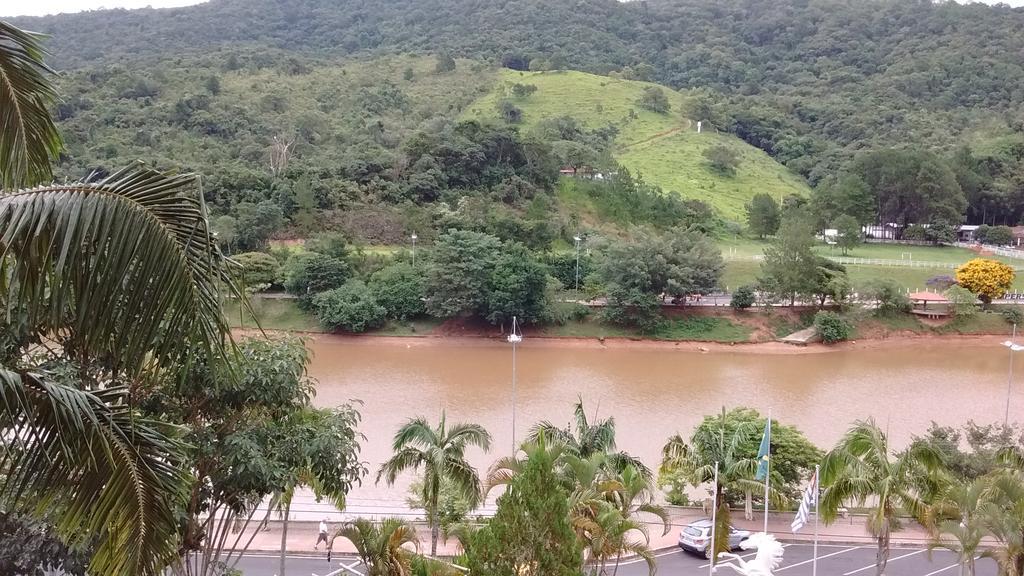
{"x":694,"y":328}
{"x":908,"y":340}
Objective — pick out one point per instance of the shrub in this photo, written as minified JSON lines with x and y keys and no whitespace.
{"x":654,"y":99}
{"x":309,"y":273}
{"x":743,"y":298}
{"x":915,"y":232}
{"x":399,"y":288}
{"x":888,"y":297}
{"x":999,"y":235}
{"x":832,"y":327}
{"x":256,"y":268}
{"x":351,"y":307}
{"x":1013,"y":315}
{"x":722,"y":160}
{"x":962,"y":303}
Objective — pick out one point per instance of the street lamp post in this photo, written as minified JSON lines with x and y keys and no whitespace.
{"x":578,"y":240}
{"x":514,"y":338}
{"x":1009,"y":380}
{"x":414,"y":237}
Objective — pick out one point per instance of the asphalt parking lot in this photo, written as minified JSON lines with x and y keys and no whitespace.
{"x":833,"y":560}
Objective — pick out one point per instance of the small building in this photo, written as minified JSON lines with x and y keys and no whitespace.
{"x":888,"y":231}
{"x":1018,"y":235}
{"x":929,"y":304}
{"x":965,"y":233}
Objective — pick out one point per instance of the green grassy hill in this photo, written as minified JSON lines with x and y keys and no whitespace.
{"x":664,"y":148}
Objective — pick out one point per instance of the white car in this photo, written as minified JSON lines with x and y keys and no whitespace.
{"x":696,"y":537}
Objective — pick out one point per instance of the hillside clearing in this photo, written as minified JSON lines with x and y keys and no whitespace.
{"x":664,"y":148}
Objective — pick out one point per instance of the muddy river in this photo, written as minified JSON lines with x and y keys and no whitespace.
{"x":656,"y":391}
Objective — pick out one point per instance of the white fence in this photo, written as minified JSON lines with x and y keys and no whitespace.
{"x":907,"y":263}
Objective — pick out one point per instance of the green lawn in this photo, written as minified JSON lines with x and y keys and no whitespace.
{"x":702,"y":329}
{"x":740,"y":268}
{"x":273,"y":314}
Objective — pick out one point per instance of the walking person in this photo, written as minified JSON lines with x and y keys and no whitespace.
{"x":323,"y":535}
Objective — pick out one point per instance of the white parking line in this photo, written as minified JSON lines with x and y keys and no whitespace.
{"x":870,"y":566}
{"x":947,"y":568}
{"x":659,"y":555}
{"x":819,"y":558}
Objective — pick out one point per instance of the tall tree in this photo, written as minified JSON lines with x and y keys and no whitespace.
{"x":721,"y":441}
{"x":911,"y":187}
{"x":763,"y":215}
{"x":956,"y":521}
{"x":638,"y":272}
{"x":848,"y":233}
{"x":441,"y":452}
{"x":251,"y":435}
{"x":861,"y":469}
{"x":530,"y":534}
{"x":790,"y":267}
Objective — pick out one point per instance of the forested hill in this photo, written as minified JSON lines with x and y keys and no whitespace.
{"x":809,"y":81}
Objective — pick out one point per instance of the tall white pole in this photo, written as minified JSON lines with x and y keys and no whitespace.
{"x":514,"y":338}
{"x":1009,"y":379}
{"x":714,"y":519}
{"x":817,"y":505}
{"x":577,"y":263}
{"x":768,"y":471}
{"x":514,"y":389}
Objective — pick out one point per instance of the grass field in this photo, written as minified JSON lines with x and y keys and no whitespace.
{"x":742,"y":269}
{"x":273,"y":314}
{"x":664,"y":148}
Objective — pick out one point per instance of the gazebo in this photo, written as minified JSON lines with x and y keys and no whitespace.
{"x":929,"y":304}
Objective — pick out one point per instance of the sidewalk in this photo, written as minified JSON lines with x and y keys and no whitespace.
{"x":302,"y":533}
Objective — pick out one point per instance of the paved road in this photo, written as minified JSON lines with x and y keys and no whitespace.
{"x":833,"y":560}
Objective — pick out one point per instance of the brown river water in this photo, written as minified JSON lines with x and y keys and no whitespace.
{"x":656,"y":391}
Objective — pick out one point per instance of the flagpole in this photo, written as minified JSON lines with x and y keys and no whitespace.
{"x":714,"y":518}
{"x":817,"y":506}
{"x":768,"y":473}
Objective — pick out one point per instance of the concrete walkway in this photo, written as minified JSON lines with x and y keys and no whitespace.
{"x":302,"y":534}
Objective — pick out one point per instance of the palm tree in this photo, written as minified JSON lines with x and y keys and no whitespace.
{"x":860,"y":467}
{"x":956,"y":513}
{"x":381,"y":546}
{"x":28,"y":136}
{"x":117,"y":279}
{"x":441,"y":452}
{"x":1003,"y":516}
{"x":612,"y":534}
{"x":584,"y":439}
{"x":720,"y":442}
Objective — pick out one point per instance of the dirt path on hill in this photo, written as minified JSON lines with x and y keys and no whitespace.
{"x":658,"y":136}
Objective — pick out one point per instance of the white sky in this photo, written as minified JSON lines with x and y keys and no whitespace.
{"x":43,"y":7}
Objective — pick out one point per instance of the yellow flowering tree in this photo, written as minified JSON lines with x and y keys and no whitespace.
{"x":989,"y":279}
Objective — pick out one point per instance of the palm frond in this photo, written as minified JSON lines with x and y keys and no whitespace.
{"x":89,"y":461}
{"x":28,"y":137}
{"x":407,"y":458}
{"x":468,"y":434}
{"x":124,"y":269}
{"x":417,"y":432}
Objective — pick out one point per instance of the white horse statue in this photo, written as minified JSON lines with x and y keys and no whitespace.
{"x":768,"y":558}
